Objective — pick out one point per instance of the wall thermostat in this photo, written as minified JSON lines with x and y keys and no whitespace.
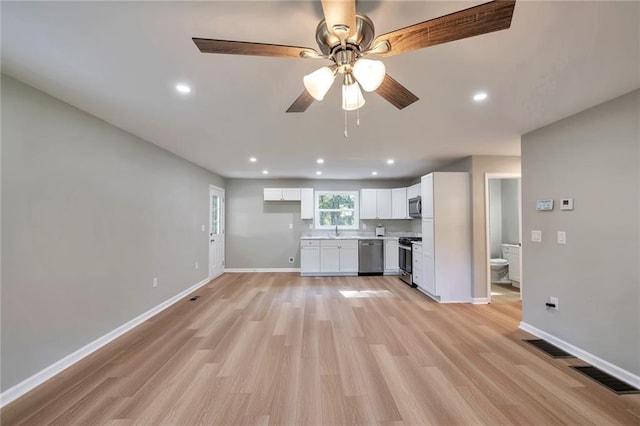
{"x":542,"y":205}
{"x":566,"y":204}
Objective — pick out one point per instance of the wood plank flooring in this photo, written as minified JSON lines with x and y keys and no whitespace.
{"x":282,"y":349}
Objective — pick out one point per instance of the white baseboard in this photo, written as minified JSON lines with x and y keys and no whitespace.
{"x":245,"y":270}
{"x":614,"y":370}
{"x":480,"y":300}
{"x":42,"y":376}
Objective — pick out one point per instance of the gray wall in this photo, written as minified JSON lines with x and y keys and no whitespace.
{"x":90,"y":214}
{"x":257,"y":232}
{"x":478,"y":166}
{"x":592,"y":157}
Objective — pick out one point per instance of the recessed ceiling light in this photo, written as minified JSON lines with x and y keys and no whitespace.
{"x":183,"y":88}
{"x":253,"y":159}
{"x":480,"y":96}
{"x":318,"y":172}
{"x":391,"y":161}
{"x":374,"y":173}
{"x":265,"y":172}
{"x":320,"y":160}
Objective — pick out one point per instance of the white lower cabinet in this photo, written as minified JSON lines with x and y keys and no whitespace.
{"x":416,"y":267}
{"x":328,"y":257}
{"x":309,"y":257}
{"x":391,"y":255}
{"x":349,"y":257}
{"x":512,"y":254}
{"x":339,"y":256}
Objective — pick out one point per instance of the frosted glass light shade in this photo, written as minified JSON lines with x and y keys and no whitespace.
{"x":351,"y":97}
{"x":319,"y":82}
{"x":369,"y":73}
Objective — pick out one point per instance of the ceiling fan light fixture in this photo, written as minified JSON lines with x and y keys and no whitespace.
{"x":369,"y":73}
{"x":352,"y":98}
{"x":319,"y":82}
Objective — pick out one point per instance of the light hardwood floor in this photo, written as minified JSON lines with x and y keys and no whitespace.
{"x":283,"y":349}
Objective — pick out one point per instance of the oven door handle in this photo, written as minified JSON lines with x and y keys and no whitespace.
{"x":404,"y":247}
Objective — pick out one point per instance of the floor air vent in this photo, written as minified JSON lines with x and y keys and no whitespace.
{"x":549,"y":349}
{"x":194,"y":298}
{"x":607,"y":380}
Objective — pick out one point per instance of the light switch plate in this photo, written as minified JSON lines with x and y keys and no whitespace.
{"x":202,"y":229}
{"x":562,"y":237}
{"x":536,"y":236}
{"x":291,"y":226}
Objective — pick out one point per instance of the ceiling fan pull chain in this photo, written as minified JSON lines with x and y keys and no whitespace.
{"x":346,"y":133}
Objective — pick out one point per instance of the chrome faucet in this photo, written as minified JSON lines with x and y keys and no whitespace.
{"x":336,"y":230}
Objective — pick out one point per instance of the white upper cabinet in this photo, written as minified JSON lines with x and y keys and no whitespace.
{"x":399,"y":203}
{"x":368,"y":204}
{"x":282,"y":194}
{"x":413,"y":191}
{"x":427,"y":196}
{"x":272,"y":194}
{"x":291,"y":194}
{"x":383,"y":203}
{"x":375,"y":204}
{"x":306,"y":203}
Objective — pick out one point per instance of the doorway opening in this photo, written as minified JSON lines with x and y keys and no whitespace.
{"x":216,"y":231}
{"x":503,"y":236}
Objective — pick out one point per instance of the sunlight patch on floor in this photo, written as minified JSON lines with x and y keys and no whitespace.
{"x":365,"y":293}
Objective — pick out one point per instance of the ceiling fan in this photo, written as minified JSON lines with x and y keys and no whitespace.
{"x":346,"y":38}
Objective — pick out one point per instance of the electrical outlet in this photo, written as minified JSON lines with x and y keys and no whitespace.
{"x":202,"y":228}
{"x":155,"y":282}
{"x":311,"y":226}
{"x":291,"y":226}
{"x":197,"y":265}
{"x":291,"y":259}
{"x":553,"y":301}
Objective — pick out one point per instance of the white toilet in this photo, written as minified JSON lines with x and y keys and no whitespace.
{"x":500,"y":270}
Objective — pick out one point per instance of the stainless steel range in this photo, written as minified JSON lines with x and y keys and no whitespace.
{"x":406,"y":259}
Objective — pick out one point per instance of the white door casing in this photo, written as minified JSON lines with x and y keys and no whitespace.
{"x":487,"y":177}
{"x":216,"y":231}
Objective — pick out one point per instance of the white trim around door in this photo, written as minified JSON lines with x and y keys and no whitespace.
{"x":216,"y":237}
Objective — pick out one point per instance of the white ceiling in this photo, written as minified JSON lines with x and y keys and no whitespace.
{"x":121,"y":60}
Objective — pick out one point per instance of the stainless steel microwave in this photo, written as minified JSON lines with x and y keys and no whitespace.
{"x":415,"y":207}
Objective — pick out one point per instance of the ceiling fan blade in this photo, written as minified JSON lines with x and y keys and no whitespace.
{"x":303,"y":102}
{"x":395,"y":93}
{"x":482,"y":19}
{"x":255,"y":49}
{"x":340,"y":12}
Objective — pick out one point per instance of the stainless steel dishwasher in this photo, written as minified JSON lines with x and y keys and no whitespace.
{"x":370,"y":257}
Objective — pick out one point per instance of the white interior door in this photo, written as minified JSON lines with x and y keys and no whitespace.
{"x":216,"y":231}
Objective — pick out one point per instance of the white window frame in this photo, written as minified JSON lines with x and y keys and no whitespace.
{"x":356,"y":209}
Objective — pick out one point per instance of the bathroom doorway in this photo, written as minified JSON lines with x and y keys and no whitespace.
{"x":503,"y":236}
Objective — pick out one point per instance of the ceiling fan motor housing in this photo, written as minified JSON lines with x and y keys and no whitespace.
{"x":359,"y":41}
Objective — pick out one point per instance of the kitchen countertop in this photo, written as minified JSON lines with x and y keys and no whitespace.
{"x":347,"y":237}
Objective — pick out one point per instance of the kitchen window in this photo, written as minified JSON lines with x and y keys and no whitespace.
{"x":336,"y":208}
